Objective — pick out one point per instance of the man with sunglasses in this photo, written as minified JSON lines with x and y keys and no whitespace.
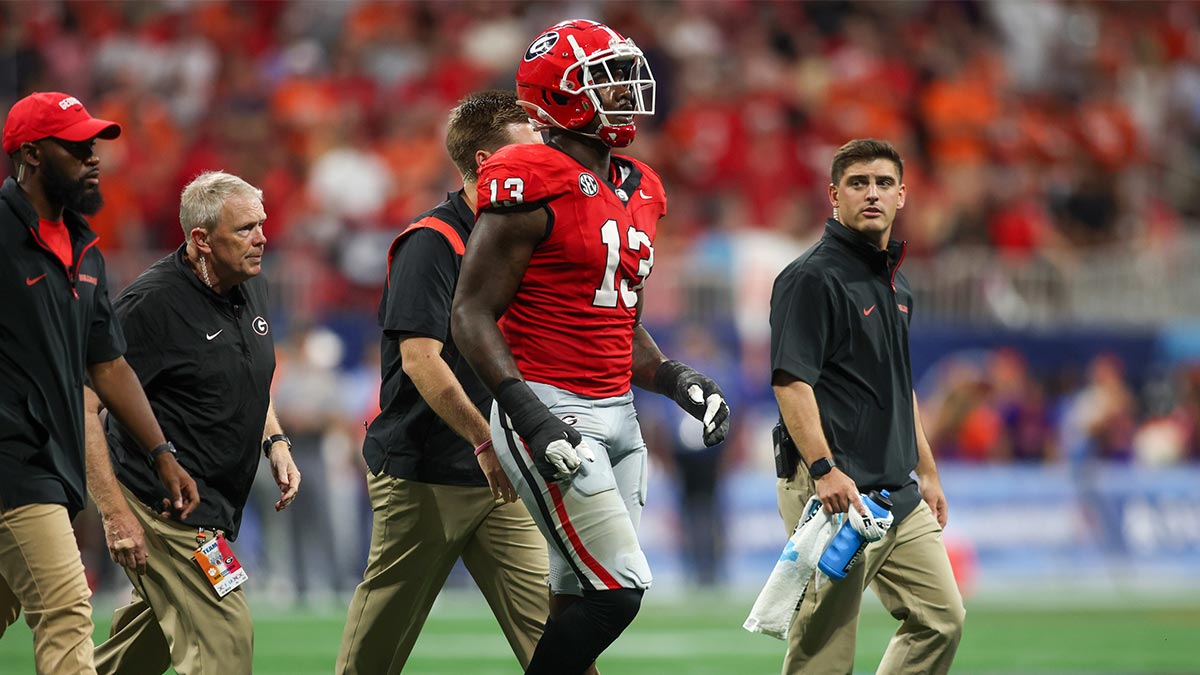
{"x":56,"y":321}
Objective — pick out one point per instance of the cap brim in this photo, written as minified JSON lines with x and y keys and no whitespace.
{"x":88,"y":129}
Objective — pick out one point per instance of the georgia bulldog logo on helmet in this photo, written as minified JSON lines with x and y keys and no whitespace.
{"x":571,"y":75}
{"x":543,"y":44}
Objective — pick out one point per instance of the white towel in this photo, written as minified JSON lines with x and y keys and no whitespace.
{"x":780,"y":597}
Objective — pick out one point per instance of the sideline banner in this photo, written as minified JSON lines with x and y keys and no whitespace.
{"x":1094,"y":526}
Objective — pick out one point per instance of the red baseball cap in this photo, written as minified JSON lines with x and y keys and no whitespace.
{"x":51,"y":113}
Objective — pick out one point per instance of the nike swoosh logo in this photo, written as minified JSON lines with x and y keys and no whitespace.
{"x":214,"y":334}
{"x":867,"y":311}
{"x":643,"y":195}
{"x":29,"y":281}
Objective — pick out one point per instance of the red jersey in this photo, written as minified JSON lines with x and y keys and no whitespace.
{"x":571,"y":322}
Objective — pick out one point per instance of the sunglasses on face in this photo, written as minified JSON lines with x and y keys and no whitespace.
{"x":80,"y":150}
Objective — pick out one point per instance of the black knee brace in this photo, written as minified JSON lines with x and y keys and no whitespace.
{"x":575,"y":637}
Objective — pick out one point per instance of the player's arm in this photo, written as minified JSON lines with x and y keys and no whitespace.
{"x":118,"y":387}
{"x":798,"y":406}
{"x":122,"y":533}
{"x":647,"y":357}
{"x":697,"y":394}
{"x":927,"y":473}
{"x":279,"y":454}
{"x":421,"y":359}
{"x":498,"y":254}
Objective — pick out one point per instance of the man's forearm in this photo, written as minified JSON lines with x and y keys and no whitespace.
{"x":647,"y":357}
{"x":437,"y":384}
{"x":271,"y":427}
{"x":119,"y":389}
{"x":925,"y":463}
{"x":101,"y":482}
{"x":798,"y":405}
{"x":479,"y":339}
{"x":444,"y":394}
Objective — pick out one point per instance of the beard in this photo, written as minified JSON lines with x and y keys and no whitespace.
{"x":72,"y":194}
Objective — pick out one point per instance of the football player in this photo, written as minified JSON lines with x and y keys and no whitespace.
{"x":548,"y":311}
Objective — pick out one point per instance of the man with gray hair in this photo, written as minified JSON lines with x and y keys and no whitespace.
{"x":201,"y":344}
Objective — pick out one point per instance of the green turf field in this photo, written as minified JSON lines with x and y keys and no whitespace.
{"x":704,"y":637}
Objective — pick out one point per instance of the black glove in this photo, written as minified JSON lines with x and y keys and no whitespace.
{"x":696,"y":394}
{"x":558,"y":449}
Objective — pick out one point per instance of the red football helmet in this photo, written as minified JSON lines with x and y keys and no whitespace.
{"x":565,"y":68}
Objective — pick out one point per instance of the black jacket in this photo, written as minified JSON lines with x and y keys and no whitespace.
{"x":407,"y":439}
{"x":54,"y":322}
{"x":206,"y":363}
{"x":839,"y":322}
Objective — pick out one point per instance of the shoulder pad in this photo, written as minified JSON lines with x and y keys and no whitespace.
{"x":518,"y":176}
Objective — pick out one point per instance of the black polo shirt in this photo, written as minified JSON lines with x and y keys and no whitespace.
{"x":839,"y":322}
{"x":206,"y":363}
{"x":408,"y":440}
{"x":54,"y":322}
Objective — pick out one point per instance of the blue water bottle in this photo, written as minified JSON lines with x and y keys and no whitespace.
{"x":847,"y":545}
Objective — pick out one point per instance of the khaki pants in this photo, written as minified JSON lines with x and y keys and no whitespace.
{"x":419,"y":531}
{"x":174,"y":617}
{"x":42,"y":573}
{"x":909,"y":571}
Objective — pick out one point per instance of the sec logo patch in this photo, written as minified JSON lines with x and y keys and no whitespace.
{"x":588,"y":184}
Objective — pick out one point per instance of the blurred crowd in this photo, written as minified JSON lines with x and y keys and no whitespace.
{"x":1032,"y":130}
{"x":992,"y":407}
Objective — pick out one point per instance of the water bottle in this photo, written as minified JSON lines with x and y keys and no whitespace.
{"x":847,"y":545}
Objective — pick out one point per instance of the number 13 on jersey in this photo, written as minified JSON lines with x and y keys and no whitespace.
{"x":635,"y":240}
{"x":515,"y":188}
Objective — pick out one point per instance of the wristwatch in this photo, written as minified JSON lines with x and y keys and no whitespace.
{"x":272,"y":440}
{"x":165,"y":447}
{"x":821,"y":467}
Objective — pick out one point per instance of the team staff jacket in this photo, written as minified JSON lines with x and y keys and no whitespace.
{"x":571,"y":322}
{"x":408,"y":439}
{"x":839,"y":322}
{"x":55,"y":321}
{"x":206,"y":363}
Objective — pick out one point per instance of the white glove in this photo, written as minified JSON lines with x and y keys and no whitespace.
{"x":712,"y":407}
{"x":566,"y":458}
{"x":871,"y":527}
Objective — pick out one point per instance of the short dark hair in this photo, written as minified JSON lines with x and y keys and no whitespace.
{"x":480,"y":122}
{"x":863,"y":150}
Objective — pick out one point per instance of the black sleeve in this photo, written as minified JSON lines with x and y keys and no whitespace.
{"x":423,"y":273}
{"x":803,"y":320}
{"x":911,"y":301}
{"x":148,"y":345}
{"x":106,"y":340}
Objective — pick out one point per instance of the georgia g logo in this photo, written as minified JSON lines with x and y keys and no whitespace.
{"x":259,"y":325}
{"x":540,"y":46}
